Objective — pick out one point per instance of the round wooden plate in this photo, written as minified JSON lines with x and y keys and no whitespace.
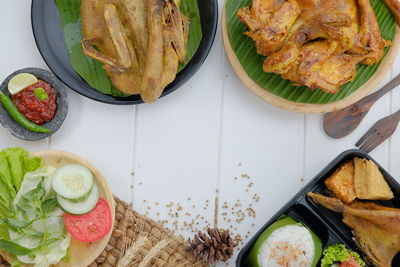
{"x":283,"y":103}
{"x":81,"y":254}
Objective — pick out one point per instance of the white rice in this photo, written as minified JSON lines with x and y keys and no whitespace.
{"x":288,"y":246}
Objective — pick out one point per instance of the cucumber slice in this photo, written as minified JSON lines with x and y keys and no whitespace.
{"x":82,"y":207}
{"x":72,"y":181}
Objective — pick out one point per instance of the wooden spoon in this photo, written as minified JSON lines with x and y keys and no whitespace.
{"x":338,"y":124}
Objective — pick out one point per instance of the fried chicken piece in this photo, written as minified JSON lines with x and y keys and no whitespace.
{"x":322,"y":46}
{"x":268,"y":23}
{"x":137,"y":13}
{"x":175,"y":26}
{"x":376,"y":228}
{"x":394,"y":6}
{"x":370,"y":43}
{"x":175,"y":34}
{"x":114,"y":43}
{"x":316,"y":65}
{"x":139,"y":42}
{"x":151,"y":87}
{"x":380,"y":245}
{"x":322,"y":67}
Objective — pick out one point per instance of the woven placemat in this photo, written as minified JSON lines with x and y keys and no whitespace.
{"x":150,"y":241}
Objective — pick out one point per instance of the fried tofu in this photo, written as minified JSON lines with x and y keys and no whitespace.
{"x":341,"y":183}
{"x":369,"y":182}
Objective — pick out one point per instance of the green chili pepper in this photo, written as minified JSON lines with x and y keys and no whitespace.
{"x":13,"y":111}
{"x":41,"y":94}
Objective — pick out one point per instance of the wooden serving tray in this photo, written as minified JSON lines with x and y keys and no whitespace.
{"x":283,"y":103}
{"x":81,"y":254}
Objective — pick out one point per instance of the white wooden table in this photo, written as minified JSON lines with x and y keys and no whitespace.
{"x":189,"y":147}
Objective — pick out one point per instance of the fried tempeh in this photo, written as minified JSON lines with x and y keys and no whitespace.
{"x":341,"y":182}
{"x":369,"y":182}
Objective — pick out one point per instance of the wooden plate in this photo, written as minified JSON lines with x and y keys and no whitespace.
{"x":81,"y":254}
{"x":283,"y":103}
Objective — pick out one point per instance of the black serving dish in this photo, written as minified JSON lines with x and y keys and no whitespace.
{"x":323,"y":222}
{"x":62,"y":106}
{"x":49,"y":38}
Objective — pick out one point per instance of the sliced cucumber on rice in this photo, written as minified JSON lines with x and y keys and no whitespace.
{"x":83,"y":206}
{"x":73,"y":182}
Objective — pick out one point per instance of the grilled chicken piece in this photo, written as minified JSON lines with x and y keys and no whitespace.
{"x":376,"y":228}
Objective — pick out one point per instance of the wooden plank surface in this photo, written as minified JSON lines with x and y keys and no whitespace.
{"x":210,"y":140}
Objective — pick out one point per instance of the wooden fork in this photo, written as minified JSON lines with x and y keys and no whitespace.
{"x":378,"y":133}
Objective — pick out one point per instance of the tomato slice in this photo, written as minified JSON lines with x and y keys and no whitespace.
{"x":92,"y":226}
{"x":350,"y":263}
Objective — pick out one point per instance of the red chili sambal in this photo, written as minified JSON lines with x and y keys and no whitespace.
{"x":35,"y":109}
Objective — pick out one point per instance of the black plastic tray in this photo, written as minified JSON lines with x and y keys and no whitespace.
{"x":323,"y":222}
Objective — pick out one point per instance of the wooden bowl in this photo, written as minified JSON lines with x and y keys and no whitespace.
{"x":293,"y":106}
{"x":81,"y":254}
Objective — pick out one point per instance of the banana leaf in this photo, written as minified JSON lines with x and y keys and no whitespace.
{"x":91,"y":70}
{"x":252,"y":62}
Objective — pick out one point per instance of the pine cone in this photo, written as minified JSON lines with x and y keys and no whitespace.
{"x":217,"y":246}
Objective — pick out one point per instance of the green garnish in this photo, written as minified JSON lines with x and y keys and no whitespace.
{"x":41,"y":94}
{"x":14,"y":248}
{"x":338,"y":253}
{"x":14,"y":113}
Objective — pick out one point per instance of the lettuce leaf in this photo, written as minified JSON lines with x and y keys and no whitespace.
{"x":40,"y":220}
{"x":14,"y":164}
{"x":338,"y":253}
{"x":4,"y":232}
{"x":7,"y":189}
{"x":358,"y":259}
{"x":20,"y":163}
{"x":30,"y":190}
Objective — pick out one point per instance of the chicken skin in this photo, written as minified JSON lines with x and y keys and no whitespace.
{"x":376,"y":228}
{"x":314,"y":43}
